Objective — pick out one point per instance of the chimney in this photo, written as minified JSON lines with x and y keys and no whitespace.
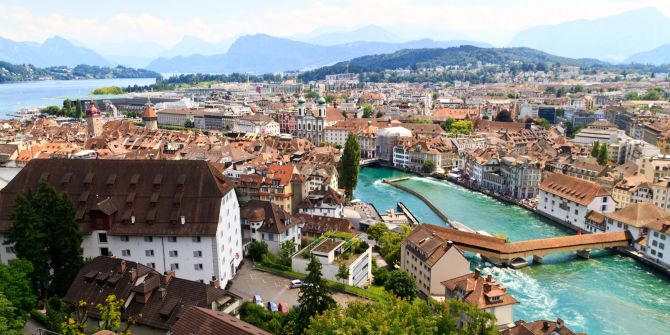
{"x":545,"y":325}
{"x":163,"y":292}
{"x":133,"y":275}
{"x":559,"y":323}
{"x":167,"y":276}
{"x":215,"y":282}
{"x":489,"y":278}
{"x":121,"y":267}
{"x":477,"y":273}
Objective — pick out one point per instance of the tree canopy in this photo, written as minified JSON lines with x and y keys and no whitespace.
{"x":402,"y":284}
{"x":349,"y":165}
{"x":400,"y":316}
{"x":44,"y":232}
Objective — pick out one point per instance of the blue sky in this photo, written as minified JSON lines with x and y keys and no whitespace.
{"x":104,"y":25}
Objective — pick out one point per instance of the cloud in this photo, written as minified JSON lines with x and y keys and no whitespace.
{"x":488,"y":20}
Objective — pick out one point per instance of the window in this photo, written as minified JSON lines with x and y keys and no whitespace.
{"x":654,"y":243}
{"x":172,"y":238}
{"x":197,"y":267}
{"x":196,"y":239}
{"x":125,"y":252}
{"x":125,"y":238}
{"x":148,"y":239}
{"x":174,"y":266}
{"x":197,"y":253}
{"x":653,"y":252}
{"x":661,"y":246}
{"x":151,"y":265}
{"x":576,"y":211}
{"x":174,"y":253}
{"x":104,"y":252}
{"x":660,"y":255}
{"x":663,"y":237}
{"x":10,"y":250}
{"x":102,"y":237}
{"x":149,"y":253}
{"x":603,"y":208}
{"x":655,"y":234}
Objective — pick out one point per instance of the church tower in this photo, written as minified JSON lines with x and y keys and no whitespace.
{"x":149,"y":117}
{"x":93,"y":120}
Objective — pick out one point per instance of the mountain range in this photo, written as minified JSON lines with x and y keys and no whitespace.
{"x":54,"y":51}
{"x":640,"y":36}
{"x":461,"y":56}
{"x":262,"y":53}
{"x":614,"y":37}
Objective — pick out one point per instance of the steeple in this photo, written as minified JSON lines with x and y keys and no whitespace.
{"x":149,"y":117}
{"x":93,"y":120}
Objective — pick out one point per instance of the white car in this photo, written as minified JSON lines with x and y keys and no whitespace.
{"x":296,"y":283}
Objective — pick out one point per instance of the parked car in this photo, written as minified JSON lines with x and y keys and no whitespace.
{"x":258,"y":300}
{"x":272,"y":306}
{"x":283,"y":307}
{"x":296,"y":283}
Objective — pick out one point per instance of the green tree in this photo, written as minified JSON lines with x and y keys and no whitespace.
{"x":314,"y":296}
{"x":9,"y":323}
{"x":446,"y":125}
{"x":478,"y":321}
{"x":380,"y":276}
{"x":45,"y":233}
{"x":389,"y":244}
{"x":76,"y":323}
{"x":595,"y":149}
{"x":342,"y":272}
{"x":603,"y":155}
{"x":376,"y":231}
{"x":428,"y":166}
{"x":367,"y":110}
{"x":257,"y":249}
{"x":51,"y":110}
{"x":402,"y":284}
{"x":78,"y":109}
{"x":15,"y":285}
{"x":286,"y":250}
{"x":110,"y":316}
{"x":543,"y":122}
{"x":349,"y":165}
{"x":68,"y":107}
{"x":463,"y":127}
{"x":189,"y":124}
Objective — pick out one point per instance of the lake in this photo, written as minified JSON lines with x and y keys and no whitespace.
{"x":14,"y":96}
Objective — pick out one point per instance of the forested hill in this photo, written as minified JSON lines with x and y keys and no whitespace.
{"x":14,"y":72}
{"x":523,"y":58}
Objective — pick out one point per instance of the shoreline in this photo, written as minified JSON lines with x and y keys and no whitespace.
{"x":664,"y":270}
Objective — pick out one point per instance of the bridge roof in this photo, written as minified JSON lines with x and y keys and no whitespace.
{"x":500,"y":246}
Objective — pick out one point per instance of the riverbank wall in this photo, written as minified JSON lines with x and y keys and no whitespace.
{"x":428,"y":202}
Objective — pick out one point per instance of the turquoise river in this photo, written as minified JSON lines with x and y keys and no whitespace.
{"x":607,"y":294}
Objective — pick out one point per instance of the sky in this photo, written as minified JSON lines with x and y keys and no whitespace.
{"x":107,"y":25}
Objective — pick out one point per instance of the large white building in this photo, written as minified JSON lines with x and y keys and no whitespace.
{"x":569,"y":199}
{"x":258,"y":124}
{"x":168,"y":215}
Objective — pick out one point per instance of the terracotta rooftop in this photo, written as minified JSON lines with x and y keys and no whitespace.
{"x":639,"y":215}
{"x":156,"y":193}
{"x":202,"y":321}
{"x":574,"y":189}
{"x":540,"y":327}
{"x":483,"y":292}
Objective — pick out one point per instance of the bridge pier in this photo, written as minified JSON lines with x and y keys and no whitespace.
{"x":585,"y":254}
{"x":538,"y":259}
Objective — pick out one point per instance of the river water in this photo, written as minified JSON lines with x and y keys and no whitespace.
{"x":14,"y":96}
{"x":607,"y":294}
